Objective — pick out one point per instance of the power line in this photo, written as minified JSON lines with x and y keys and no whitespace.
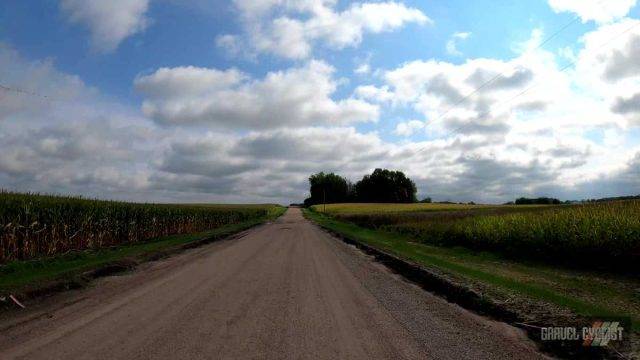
{"x":25,"y":92}
{"x":503,"y":74}
{"x":563,"y":69}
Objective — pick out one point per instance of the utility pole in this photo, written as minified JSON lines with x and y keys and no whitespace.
{"x":324,"y":200}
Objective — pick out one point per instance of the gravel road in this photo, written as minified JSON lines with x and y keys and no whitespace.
{"x":284,"y":290}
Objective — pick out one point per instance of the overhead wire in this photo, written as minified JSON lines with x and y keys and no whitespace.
{"x":561,"y":70}
{"x":504,"y":74}
{"x":25,"y":92}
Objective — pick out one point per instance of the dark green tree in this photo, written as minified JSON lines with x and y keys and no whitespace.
{"x":386,"y":186}
{"x":537,"y":201}
{"x":328,"y":188}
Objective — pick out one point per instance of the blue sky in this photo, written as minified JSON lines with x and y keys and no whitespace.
{"x":239,"y":101}
{"x":39,"y":30}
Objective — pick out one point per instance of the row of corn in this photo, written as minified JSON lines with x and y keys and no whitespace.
{"x":33,"y":225}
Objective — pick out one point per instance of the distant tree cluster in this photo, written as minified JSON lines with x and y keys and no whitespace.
{"x":385,"y":186}
{"x":381,"y":186}
{"x":537,"y":201}
{"x":329,"y":189}
{"x":617,"y":198}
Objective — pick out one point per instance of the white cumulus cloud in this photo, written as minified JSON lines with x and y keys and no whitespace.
{"x":601,"y":11}
{"x":291,"y":29}
{"x":409,"y":128}
{"x":229,"y":99}
{"x":506,"y":114}
{"x":452,"y":44}
{"x":110,"y":21}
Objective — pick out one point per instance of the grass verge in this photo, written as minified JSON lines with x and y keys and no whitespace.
{"x":539,"y":295}
{"x":31,"y":278}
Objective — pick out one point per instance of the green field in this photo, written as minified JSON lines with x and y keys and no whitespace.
{"x":602,"y":235}
{"x":363,"y":209}
{"x":498,"y":250}
{"x":35,"y":226}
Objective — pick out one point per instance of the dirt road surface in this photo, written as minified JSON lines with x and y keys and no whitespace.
{"x":284,"y":290}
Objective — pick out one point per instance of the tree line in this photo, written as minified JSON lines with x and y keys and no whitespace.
{"x":381,"y":186}
{"x":388,"y":186}
{"x":537,"y":201}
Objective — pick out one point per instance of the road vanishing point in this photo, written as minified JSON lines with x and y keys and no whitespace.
{"x":283,"y":290}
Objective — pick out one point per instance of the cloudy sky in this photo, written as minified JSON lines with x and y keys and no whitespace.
{"x":241,"y":100}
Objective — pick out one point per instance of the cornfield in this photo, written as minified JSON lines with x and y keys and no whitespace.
{"x":33,"y":226}
{"x":598,"y":235}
